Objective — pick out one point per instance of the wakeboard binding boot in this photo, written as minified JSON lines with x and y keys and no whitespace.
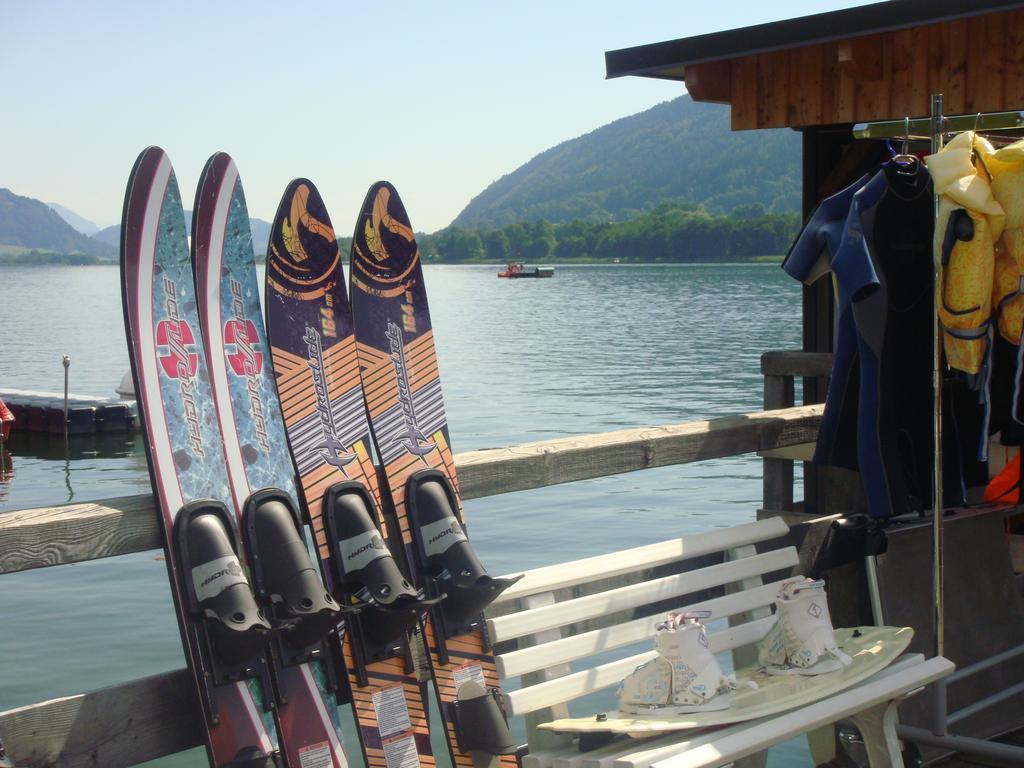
{"x":802,"y":641}
{"x":683,"y":678}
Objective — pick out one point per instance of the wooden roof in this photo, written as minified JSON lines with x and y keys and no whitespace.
{"x":874,"y":62}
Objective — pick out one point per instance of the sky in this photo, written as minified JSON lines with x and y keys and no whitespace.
{"x":440,"y":98}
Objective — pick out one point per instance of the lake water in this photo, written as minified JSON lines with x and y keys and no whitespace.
{"x":593,"y":349}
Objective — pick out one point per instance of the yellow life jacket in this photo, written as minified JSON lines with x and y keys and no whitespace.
{"x":969,"y":224}
{"x":1007,"y":168}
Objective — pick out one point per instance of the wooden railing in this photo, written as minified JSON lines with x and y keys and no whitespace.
{"x":155,"y":716}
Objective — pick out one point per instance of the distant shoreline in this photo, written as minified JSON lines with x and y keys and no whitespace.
{"x":36,"y":259}
{"x":48,"y":259}
{"x":622,"y":262}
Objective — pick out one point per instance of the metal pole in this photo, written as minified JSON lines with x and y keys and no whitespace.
{"x":67,"y":363}
{"x":1006,"y":752}
{"x":937,"y":502}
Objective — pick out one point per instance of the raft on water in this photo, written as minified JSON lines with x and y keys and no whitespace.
{"x":518,"y":270}
{"x":44,"y":412}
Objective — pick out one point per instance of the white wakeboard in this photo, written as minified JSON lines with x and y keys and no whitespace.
{"x":871,"y":648}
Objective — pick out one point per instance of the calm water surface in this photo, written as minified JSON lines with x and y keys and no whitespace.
{"x":594,"y":349}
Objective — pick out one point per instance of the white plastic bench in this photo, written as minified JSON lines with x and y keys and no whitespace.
{"x":547,"y":618}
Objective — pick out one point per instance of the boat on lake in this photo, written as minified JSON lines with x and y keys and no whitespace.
{"x":518,"y":269}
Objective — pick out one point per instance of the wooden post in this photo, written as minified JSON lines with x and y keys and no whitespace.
{"x":778,"y":473}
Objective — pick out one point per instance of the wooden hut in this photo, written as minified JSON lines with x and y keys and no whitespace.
{"x":821,"y":75}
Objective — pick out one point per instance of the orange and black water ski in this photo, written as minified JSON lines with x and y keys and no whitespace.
{"x":402,"y":387}
{"x":314,"y":357}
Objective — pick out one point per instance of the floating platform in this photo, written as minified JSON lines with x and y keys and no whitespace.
{"x":44,"y":412}
{"x":518,"y":270}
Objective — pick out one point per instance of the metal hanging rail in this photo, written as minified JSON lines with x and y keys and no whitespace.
{"x":921,"y":128}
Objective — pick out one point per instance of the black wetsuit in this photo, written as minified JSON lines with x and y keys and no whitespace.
{"x":878,"y":412}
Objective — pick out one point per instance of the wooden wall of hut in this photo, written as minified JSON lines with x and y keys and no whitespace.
{"x":976,"y":63}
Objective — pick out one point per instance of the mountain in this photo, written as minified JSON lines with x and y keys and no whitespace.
{"x":80,"y":223}
{"x":110,"y":235}
{"x":260,"y":233}
{"x":679,"y":150}
{"x":29,"y":223}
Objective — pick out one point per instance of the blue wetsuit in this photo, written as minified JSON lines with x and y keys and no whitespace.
{"x":812,"y":256}
{"x":878,"y":411}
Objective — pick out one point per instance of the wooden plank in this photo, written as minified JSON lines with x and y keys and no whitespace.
{"x":575,"y":572}
{"x":776,"y":472}
{"x":861,"y":57}
{"x":117,"y":726}
{"x":806,"y":83}
{"x":802,"y":452}
{"x":607,"y":758}
{"x":535,"y":465}
{"x":747,"y":656}
{"x":569,"y":611}
{"x":710,"y":81}
{"x":871,"y":93}
{"x":796,"y":363}
{"x":643,"y":755}
{"x":778,"y":391}
{"x":538,"y":739}
{"x":1014,"y":60}
{"x":744,"y":93}
{"x":35,"y":538}
{"x":70,"y":533}
{"x":985,"y":42}
{"x":952,"y":82}
{"x":546,"y":758}
{"x":909,"y":95}
{"x":840,"y":78}
{"x":772,"y":89}
{"x":777,"y":484}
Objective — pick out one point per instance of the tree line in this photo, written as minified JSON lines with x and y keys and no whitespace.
{"x":673,"y":232}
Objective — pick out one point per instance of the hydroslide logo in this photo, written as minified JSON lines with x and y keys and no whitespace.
{"x":452,"y":530}
{"x":178,"y":357}
{"x":330,"y":449}
{"x":241,"y":347}
{"x":376,"y":542}
{"x":211,"y":578}
{"x":414,"y":441}
{"x":231,"y":569}
{"x":176,"y":346}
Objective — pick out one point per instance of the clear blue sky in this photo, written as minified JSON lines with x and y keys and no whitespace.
{"x":440,"y":98}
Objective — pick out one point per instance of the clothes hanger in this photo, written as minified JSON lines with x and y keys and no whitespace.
{"x":906,"y":163}
{"x":975,"y":155}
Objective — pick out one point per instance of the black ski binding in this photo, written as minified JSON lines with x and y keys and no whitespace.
{"x":365,"y":570}
{"x":231,"y":631}
{"x":450,"y":564}
{"x":480,"y":721}
{"x":285,"y":580}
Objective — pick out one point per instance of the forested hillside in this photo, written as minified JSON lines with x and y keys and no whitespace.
{"x":680,"y":151}
{"x":673,"y":232}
